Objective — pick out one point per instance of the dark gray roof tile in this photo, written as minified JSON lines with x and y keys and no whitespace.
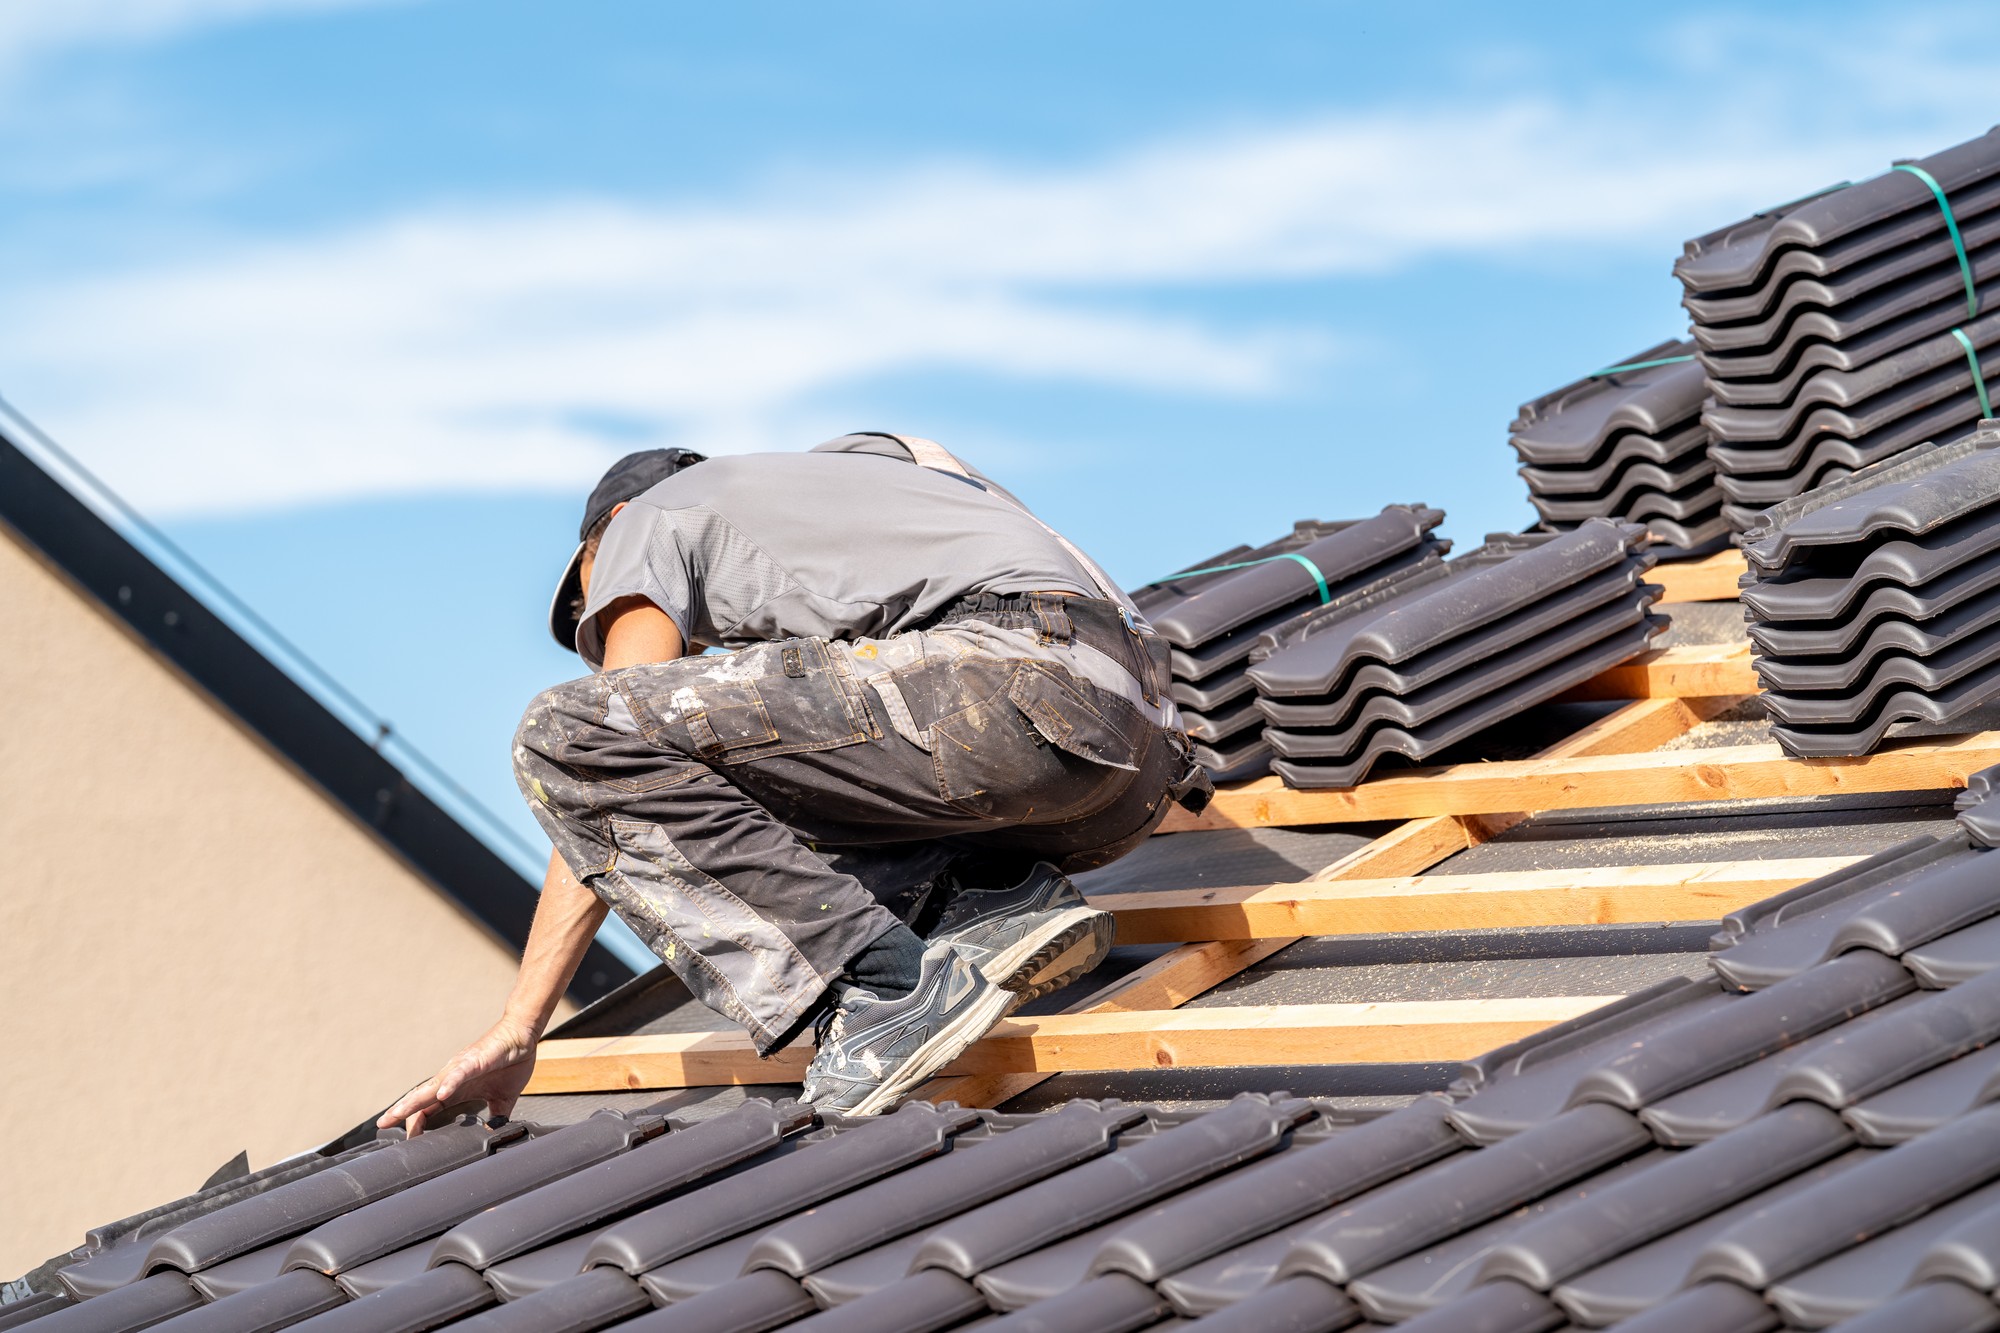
{"x":1714,"y":1042}
{"x":1442,"y":1274}
{"x":1863,"y":1278}
{"x":1303,"y":1303}
{"x":282,"y":1301}
{"x":1502,"y":702}
{"x":1914,"y":564}
{"x":1238,"y":599}
{"x":1970,"y":582}
{"x":436,"y":1297}
{"x":920,"y":1303}
{"x":1921,"y":1104}
{"x":1851,"y":220}
{"x":1969,"y":1250}
{"x":1648,"y":1277}
{"x":1494,"y":1307}
{"x":394,"y":1267}
{"x":1932,"y":1307}
{"x":1234,"y":1275}
{"x":1895,"y":1043}
{"x":530,"y":1272}
{"x":1782,"y":936}
{"x":817,"y":1171}
{"x":1673,"y":1193}
{"x":866,"y":1272}
{"x":134,"y":1306}
{"x":962,"y":1179}
{"x":1099,"y":1190}
{"x":1271,"y":1195}
{"x":407,"y":1216}
{"x":243,"y":1272}
{"x":599,"y":1192}
{"x":303,"y":1204}
{"x":588,"y":1301}
{"x":1712,"y":1307}
{"x":1112,"y":1303}
{"x":1387,"y":1224}
{"x":759,"y":1300}
{"x":1897,"y":1185}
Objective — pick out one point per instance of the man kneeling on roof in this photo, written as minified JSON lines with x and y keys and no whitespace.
{"x":860,"y":817}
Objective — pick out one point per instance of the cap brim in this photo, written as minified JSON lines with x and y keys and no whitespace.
{"x":562,"y":609}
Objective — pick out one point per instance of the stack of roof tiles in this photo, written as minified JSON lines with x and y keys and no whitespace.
{"x":1626,"y":444}
{"x":1503,"y":628}
{"x":1826,"y":327}
{"x":1874,"y":602}
{"x":1808,"y":1134}
{"x":1214,"y":621}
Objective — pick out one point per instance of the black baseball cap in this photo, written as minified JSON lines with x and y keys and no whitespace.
{"x":630,"y":476}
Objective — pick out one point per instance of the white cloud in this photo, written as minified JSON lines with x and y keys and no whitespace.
{"x":35,"y":27}
{"x":450,"y":349}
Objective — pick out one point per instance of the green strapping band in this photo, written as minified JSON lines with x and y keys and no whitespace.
{"x":1325,"y":593}
{"x":1951,"y":226}
{"x":1638,"y":365}
{"x":1978,"y":376}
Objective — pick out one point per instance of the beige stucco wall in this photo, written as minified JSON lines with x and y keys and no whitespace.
{"x":198,"y":953}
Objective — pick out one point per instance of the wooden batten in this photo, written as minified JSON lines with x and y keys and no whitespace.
{"x":1238,"y":1036}
{"x":1735,"y":773}
{"x":1711,"y":579}
{"x":1582,"y":897}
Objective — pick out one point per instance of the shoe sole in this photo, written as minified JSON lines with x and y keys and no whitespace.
{"x":936,"y":1053}
{"x":1045,"y":960}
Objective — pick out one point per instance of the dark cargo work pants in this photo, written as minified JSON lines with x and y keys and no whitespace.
{"x":759,"y":818}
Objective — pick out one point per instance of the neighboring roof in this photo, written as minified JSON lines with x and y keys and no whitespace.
{"x":102,"y":564}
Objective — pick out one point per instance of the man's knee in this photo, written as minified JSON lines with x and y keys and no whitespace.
{"x":560,"y":728}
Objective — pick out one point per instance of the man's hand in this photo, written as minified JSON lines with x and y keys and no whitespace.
{"x":493,"y":1070}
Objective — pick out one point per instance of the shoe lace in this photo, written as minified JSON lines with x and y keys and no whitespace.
{"x":827,"y":1027}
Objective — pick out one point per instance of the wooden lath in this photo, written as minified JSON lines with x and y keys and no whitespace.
{"x":1710,"y":579}
{"x":1511,"y":899}
{"x":1735,"y":773}
{"x":1693,"y":671}
{"x":1236,"y":1036}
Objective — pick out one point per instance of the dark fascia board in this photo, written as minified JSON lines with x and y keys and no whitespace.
{"x":97,"y":559}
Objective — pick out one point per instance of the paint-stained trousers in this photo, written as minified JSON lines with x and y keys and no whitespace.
{"x":760,"y":817}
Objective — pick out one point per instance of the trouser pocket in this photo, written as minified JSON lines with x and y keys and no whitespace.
{"x":767,"y":699}
{"x":1041,"y":747}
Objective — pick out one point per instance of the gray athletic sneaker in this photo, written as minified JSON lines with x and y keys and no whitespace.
{"x":873,"y":1052}
{"x":1031,"y":938}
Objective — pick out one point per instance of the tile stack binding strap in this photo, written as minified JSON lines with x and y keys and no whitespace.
{"x":1216,"y":615}
{"x":1874,"y":602}
{"x":1626,"y":443}
{"x":1842,"y":329}
{"x":1496,"y":631}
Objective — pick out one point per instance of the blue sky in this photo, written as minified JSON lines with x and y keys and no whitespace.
{"x":356,"y":297}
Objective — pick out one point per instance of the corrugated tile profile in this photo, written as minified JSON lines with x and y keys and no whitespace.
{"x":1826,"y":326}
{"x":1874,"y":601}
{"x":1216,"y":622}
{"x":1506,"y":627}
{"x":1808,"y":1137}
{"x":1630,"y":446}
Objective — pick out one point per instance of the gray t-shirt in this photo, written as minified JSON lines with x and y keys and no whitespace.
{"x":849,"y":541}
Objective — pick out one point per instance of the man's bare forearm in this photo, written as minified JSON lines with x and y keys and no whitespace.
{"x":566,"y":920}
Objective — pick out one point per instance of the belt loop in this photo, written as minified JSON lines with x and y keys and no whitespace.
{"x":1052,"y":622}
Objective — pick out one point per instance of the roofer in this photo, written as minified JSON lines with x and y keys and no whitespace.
{"x":861,"y":817}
